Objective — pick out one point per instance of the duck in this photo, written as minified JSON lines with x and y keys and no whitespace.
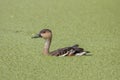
{"x":74,"y":50}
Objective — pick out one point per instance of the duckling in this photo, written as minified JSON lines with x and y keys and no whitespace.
{"x":66,"y":51}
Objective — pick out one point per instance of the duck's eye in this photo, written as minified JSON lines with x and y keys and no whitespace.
{"x":44,"y":31}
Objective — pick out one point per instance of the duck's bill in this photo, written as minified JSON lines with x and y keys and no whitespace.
{"x":36,"y":36}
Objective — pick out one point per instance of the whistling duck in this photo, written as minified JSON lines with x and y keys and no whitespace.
{"x":67,"y":51}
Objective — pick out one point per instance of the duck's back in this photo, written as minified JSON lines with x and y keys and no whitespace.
{"x":68,"y":51}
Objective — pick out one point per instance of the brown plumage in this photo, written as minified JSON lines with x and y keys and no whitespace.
{"x":67,"y":51}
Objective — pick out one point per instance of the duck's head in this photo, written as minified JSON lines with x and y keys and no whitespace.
{"x":44,"y":33}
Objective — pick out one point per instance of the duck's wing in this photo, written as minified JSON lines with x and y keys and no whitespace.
{"x":68,"y":51}
{"x":61,"y":51}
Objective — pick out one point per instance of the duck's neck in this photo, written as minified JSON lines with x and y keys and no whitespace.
{"x":47,"y":46}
